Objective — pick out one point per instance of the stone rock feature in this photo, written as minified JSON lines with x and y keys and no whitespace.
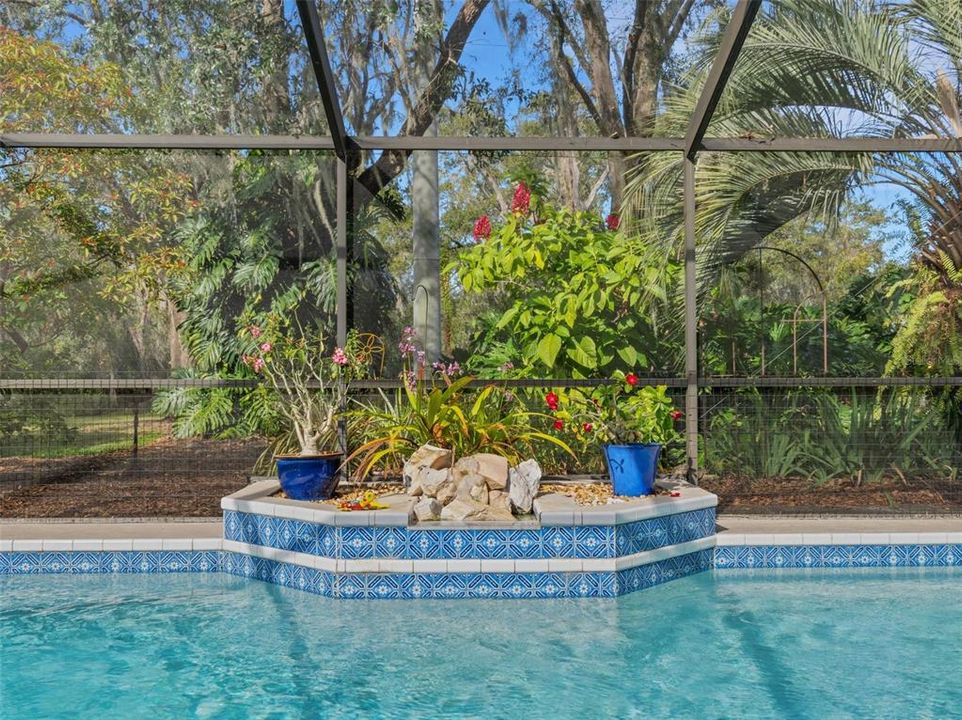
{"x":461,"y":510}
{"x":480,"y":487}
{"x":431,"y":481}
{"x":425,"y":457}
{"x":494,"y":470}
{"x":500,"y":503}
{"x":523,"y":485}
{"x":447,"y":492}
{"x":473,"y":487}
{"x":427,"y":509}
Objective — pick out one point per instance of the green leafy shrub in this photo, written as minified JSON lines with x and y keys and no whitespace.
{"x":579,"y":294}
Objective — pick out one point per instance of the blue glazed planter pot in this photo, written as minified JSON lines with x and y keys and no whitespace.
{"x":308,"y":477}
{"x":632,"y":467}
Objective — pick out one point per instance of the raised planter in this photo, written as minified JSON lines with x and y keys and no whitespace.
{"x":564,"y":550}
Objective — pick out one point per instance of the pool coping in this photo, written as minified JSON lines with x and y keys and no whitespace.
{"x":550,"y":510}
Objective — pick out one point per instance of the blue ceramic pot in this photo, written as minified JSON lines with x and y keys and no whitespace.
{"x":308,"y":477}
{"x":632,"y":467}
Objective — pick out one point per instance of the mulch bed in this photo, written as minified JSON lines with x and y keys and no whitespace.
{"x":840,"y":497}
{"x":188,"y":478}
{"x":168,"y":478}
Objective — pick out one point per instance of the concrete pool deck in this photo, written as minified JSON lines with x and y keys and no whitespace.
{"x":730,"y":525}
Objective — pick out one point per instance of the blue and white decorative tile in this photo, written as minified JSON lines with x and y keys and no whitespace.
{"x":594,"y":541}
{"x":549,"y":585}
{"x":838,"y":556}
{"x":450,"y":586}
{"x":493,"y":544}
{"x":456,"y":544}
{"x":354,"y":542}
{"x":326,"y":541}
{"x":424,"y":545}
{"x":391,"y":542}
{"x":559,"y":542}
{"x":173,"y":561}
{"x":526,"y":544}
{"x":305,"y":537}
{"x":232,"y":526}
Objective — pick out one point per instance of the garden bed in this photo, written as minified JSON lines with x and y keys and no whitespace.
{"x":168,"y":478}
{"x":843,"y":496}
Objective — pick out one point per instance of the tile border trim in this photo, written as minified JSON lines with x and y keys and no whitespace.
{"x":854,"y":555}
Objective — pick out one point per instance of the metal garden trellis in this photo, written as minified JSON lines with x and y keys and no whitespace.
{"x":347,"y":148}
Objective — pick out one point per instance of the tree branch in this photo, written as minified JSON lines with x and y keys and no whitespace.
{"x":682,"y":11}
{"x":568,"y":68}
{"x":391,"y":163}
{"x":628,"y":67}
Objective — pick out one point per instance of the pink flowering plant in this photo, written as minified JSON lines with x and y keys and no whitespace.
{"x":308,"y":375}
{"x":438,"y":405}
{"x":618,"y":413}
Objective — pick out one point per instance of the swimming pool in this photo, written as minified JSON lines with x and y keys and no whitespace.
{"x":732,"y":644}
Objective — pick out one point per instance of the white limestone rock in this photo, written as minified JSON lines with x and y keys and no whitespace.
{"x":493,"y":468}
{"x":431,"y":481}
{"x":525,"y":480}
{"x":427,"y":509}
{"x":473,"y":487}
{"x":447,"y":492}
{"x":426,"y":456}
{"x":461,"y":510}
{"x":500,"y":503}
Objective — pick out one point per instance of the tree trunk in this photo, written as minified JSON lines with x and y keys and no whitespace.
{"x":426,"y":222}
{"x":427,"y":252}
{"x":178,"y":357}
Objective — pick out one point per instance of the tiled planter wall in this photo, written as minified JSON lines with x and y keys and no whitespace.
{"x":565,"y":551}
{"x":581,"y":542}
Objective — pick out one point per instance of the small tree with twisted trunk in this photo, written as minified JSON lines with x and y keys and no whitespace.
{"x":308,"y":375}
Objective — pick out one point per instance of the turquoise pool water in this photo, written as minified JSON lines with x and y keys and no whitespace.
{"x":761,"y":644}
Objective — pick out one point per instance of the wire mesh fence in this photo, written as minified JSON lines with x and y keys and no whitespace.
{"x":72,"y":448}
{"x":83,"y":451}
{"x":869,"y":446}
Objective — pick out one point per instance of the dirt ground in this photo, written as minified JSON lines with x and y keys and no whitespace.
{"x":188,"y":478}
{"x":168,"y":478}
{"x":793,"y":496}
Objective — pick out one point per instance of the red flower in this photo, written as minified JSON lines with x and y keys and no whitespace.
{"x":558,"y":425}
{"x":482,"y":228}
{"x":677,"y":414}
{"x":588,"y":427}
{"x":631,"y":379}
{"x":522,"y":199}
{"x":612,"y":221}
{"x":552,"y":400}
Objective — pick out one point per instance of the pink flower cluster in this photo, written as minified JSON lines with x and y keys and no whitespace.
{"x":407,"y":346}
{"x":254,"y":363}
{"x":451,"y":370}
{"x":339,"y":357}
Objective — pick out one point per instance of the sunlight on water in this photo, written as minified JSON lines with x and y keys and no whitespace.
{"x":763,"y":644}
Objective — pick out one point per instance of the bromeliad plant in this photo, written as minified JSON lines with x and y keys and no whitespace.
{"x":436,"y":405}
{"x":619,"y":413}
{"x":308,"y":377}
